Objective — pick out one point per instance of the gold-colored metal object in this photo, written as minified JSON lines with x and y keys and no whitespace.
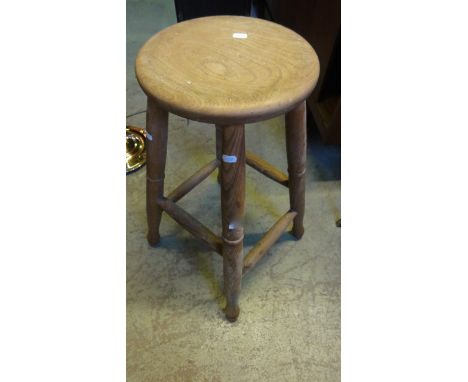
{"x":136,"y":148}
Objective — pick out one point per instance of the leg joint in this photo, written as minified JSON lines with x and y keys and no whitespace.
{"x":235,"y":241}
{"x":297,"y":173}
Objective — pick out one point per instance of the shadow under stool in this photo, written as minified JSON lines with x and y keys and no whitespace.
{"x":227,"y":71}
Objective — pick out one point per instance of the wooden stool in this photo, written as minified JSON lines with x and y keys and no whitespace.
{"x":228,"y":71}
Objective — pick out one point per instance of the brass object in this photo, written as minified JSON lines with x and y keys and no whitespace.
{"x":136,"y":148}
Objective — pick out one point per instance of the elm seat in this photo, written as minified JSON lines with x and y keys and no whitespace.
{"x":227,"y":69}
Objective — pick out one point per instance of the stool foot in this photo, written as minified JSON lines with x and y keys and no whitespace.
{"x":297,"y":231}
{"x":232,"y":313}
{"x":296,"y":143}
{"x":232,"y":269}
{"x":153,"y":239}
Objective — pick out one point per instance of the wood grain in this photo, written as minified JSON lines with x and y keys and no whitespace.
{"x":185,"y":187}
{"x":198,"y":69}
{"x":296,"y":144}
{"x":232,"y":211}
{"x":190,"y":224}
{"x":156,"y":151}
{"x":264,"y":244}
{"x":219,"y":144}
{"x":266,"y":168}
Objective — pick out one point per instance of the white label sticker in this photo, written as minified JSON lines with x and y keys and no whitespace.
{"x":229,"y":158}
{"x":239,"y":35}
{"x":149,"y":136}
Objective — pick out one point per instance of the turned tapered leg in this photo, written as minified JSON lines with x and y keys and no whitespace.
{"x":219,"y":141}
{"x":156,"y":149}
{"x":232,"y":211}
{"x":296,"y":142}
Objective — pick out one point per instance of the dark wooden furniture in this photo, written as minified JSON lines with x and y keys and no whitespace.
{"x":319,"y":22}
{"x":228,"y":71}
{"x":191,"y":9}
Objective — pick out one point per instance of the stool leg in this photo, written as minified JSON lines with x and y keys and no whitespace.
{"x":219,"y":140}
{"x":296,"y":142}
{"x":232,"y":211}
{"x":156,"y":149}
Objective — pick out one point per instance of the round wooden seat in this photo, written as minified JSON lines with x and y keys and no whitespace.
{"x":227,"y":69}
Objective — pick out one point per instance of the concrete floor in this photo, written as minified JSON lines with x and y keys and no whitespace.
{"x":289,"y":326}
